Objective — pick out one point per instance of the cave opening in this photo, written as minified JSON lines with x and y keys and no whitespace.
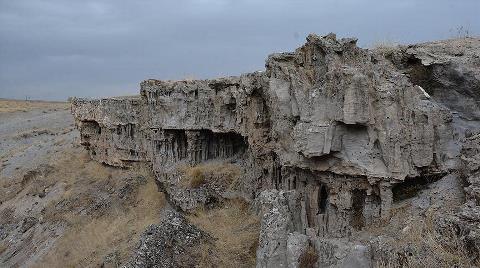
{"x":91,"y":126}
{"x":411,"y":186}
{"x":276,"y":172}
{"x":322,"y":199}
{"x":89,"y":129}
{"x":221,"y":145}
{"x":421,"y":75}
{"x":199,"y":145}
{"x":294,"y":183}
{"x":131,"y":130}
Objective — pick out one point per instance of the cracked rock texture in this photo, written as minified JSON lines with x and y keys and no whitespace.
{"x":167,"y":244}
{"x":339,"y":132}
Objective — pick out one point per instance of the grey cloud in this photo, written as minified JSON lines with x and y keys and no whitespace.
{"x":52,"y":49}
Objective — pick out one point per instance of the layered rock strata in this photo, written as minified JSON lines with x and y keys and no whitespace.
{"x":346,"y":130}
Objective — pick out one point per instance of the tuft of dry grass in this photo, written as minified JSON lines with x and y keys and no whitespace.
{"x":196,"y":176}
{"x":216,"y":173}
{"x":425,"y":247}
{"x":308,"y":259}
{"x":10,"y":106}
{"x":235,"y":229}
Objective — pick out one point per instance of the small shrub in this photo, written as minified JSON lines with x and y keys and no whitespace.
{"x":308,"y":259}
{"x":235,"y":230}
{"x":219,"y":174}
{"x":462,"y":31}
{"x":197,"y":178}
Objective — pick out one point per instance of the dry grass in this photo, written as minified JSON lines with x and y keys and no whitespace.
{"x":235,"y":229}
{"x":219,"y":174}
{"x":85,"y":210}
{"x":88,"y":238}
{"x":10,"y":106}
{"x":425,"y":247}
{"x":308,"y":259}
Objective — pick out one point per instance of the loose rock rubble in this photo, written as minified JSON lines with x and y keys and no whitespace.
{"x":331,"y":139}
{"x":167,"y":244}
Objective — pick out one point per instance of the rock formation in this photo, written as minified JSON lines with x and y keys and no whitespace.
{"x":328,"y":138}
{"x":166,"y":244}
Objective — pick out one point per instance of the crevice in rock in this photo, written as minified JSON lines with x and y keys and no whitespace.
{"x":446,"y":83}
{"x":357,"y":220}
{"x":322,"y":199}
{"x":174,"y":144}
{"x":88,"y":129}
{"x":127,"y":130}
{"x":213,"y":145}
{"x":411,"y":186}
{"x":421,"y":75}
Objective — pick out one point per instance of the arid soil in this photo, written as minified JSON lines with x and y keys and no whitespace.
{"x":58,"y":208}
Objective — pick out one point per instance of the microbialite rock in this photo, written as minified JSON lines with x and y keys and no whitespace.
{"x":344,"y":129}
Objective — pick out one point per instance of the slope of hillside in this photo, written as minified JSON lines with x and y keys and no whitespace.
{"x":58,"y":208}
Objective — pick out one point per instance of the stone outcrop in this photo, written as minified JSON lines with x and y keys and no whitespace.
{"x":342,"y":131}
{"x":168,"y":244}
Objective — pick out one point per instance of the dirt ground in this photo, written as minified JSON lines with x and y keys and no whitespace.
{"x":58,"y":208}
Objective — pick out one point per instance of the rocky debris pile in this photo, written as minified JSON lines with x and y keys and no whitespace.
{"x":168,"y":244}
{"x":345,"y":135}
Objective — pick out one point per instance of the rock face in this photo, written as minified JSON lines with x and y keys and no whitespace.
{"x":342,"y":129}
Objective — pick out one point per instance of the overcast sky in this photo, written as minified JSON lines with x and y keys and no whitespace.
{"x":52,"y":49}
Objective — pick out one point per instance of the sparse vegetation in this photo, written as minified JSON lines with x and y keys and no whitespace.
{"x":308,"y":259}
{"x":70,"y":211}
{"x":9,"y":106}
{"x":89,"y":238}
{"x":420,"y":245}
{"x":217,"y":173}
{"x":461,"y":31}
{"x":235,"y":229}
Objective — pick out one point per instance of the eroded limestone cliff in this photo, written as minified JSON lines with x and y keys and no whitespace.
{"x":327,"y":139}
